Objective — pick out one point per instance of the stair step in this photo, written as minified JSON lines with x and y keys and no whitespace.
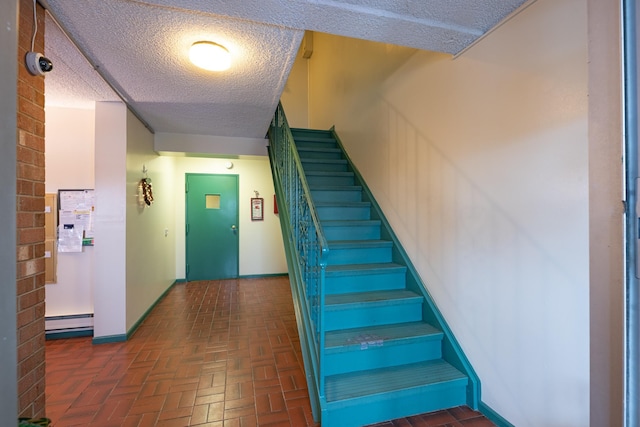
{"x":351,"y":230}
{"x":367,"y":397}
{"x":336,"y":193}
{"x":378,"y":336}
{"x":314,"y":142}
{"x":328,"y":211}
{"x":327,"y":165}
{"x":343,"y":252}
{"x":319,"y":153}
{"x":329,"y":178}
{"x":362,"y":309}
{"x":350,"y":278}
{"x":313,"y":138}
{"x":381,"y":347}
{"x":311,"y":133}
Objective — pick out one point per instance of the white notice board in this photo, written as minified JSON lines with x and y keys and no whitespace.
{"x":75,"y":219}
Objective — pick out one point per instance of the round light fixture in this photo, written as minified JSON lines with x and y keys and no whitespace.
{"x":210,"y":56}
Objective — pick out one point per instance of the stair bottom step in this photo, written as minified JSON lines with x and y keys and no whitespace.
{"x":379,"y":381}
{"x":369,"y":397}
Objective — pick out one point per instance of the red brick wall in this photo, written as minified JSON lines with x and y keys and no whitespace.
{"x":30,"y":221}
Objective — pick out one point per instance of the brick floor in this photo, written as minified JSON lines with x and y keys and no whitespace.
{"x":213,"y":353}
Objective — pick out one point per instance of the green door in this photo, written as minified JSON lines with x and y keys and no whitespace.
{"x":212,"y":226}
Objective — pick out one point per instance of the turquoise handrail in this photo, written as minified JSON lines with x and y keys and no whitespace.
{"x":306,"y":245}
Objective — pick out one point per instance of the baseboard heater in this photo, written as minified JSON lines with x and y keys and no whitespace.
{"x":68,"y":326}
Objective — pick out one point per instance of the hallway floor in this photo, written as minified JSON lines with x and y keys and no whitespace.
{"x":213,"y":353}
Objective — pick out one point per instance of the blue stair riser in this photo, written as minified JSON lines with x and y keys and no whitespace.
{"x":324,"y":165}
{"x":304,"y":134}
{"x":380,"y":354}
{"x":343,"y":212}
{"x":330,"y":179}
{"x":367,"y":314}
{"x":363,"y":255}
{"x":354,"y":232}
{"x":324,"y":153}
{"x":346,"y":284}
{"x":402,"y":403}
{"x":338,"y":195}
{"x":316,"y":145}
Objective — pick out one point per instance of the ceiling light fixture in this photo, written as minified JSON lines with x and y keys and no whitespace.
{"x":210,"y":56}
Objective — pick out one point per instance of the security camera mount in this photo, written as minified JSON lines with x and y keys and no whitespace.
{"x":37,"y":64}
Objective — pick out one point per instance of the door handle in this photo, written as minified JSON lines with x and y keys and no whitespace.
{"x":233,"y":227}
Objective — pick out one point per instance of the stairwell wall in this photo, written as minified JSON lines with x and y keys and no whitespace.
{"x":481,"y":165}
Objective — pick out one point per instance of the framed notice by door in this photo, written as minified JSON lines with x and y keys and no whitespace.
{"x":257,"y":209}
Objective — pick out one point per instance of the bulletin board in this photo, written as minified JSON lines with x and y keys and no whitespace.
{"x":76,"y":215}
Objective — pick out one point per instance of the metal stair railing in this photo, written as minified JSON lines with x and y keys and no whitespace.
{"x":306,"y":248}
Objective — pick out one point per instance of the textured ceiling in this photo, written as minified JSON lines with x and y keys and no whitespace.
{"x":140,"y":48}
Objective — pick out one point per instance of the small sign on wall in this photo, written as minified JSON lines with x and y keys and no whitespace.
{"x":257,"y":209}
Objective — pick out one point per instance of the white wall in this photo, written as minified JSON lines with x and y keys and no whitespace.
{"x":69,"y":158}
{"x":150,"y":237}
{"x":207,"y":145}
{"x":480,"y":164}
{"x":261,"y":247}
{"x":606,"y":215}
{"x":109,"y":274}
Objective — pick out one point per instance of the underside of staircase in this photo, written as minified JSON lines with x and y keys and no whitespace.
{"x":386,"y":351}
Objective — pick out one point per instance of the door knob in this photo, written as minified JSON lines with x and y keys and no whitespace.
{"x":233,"y":227}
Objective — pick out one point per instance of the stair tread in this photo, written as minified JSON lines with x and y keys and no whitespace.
{"x":390,"y":296}
{"x":363,"y":268}
{"x":329,"y":173}
{"x":321,"y":149}
{"x":349,"y":222}
{"x":328,"y":161}
{"x":378,"y":335}
{"x":371,"y":266}
{"x":303,"y":139}
{"x":385,"y":380}
{"x":335,"y":187}
{"x":346,"y":244}
{"x":346,"y":204}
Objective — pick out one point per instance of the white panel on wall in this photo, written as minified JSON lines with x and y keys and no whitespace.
{"x":480,"y":163}
{"x":69,"y":156}
{"x":110,"y":233}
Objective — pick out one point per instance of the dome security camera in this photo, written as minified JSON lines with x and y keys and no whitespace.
{"x":37,"y":64}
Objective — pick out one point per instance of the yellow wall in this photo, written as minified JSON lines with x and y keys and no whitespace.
{"x":150,"y":269}
{"x":481,"y":165}
{"x":260,"y":242}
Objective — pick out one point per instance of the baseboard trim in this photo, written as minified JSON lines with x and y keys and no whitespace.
{"x":261,"y":276}
{"x":68,"y":326}
{"x":496,"y":418}
{"x":68,"y":333}
{"x":135,"y":326}
{"x":109,"y":339}
{"x":132,"y":330}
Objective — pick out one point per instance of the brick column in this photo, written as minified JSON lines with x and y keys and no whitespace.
{"x":30,"y":221}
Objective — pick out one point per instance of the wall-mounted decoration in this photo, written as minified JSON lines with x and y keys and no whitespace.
{"x":257,"y":209}
{"x":145,"y":190}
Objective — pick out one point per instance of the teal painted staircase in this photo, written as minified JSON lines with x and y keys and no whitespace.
{"x":375,"y":346}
